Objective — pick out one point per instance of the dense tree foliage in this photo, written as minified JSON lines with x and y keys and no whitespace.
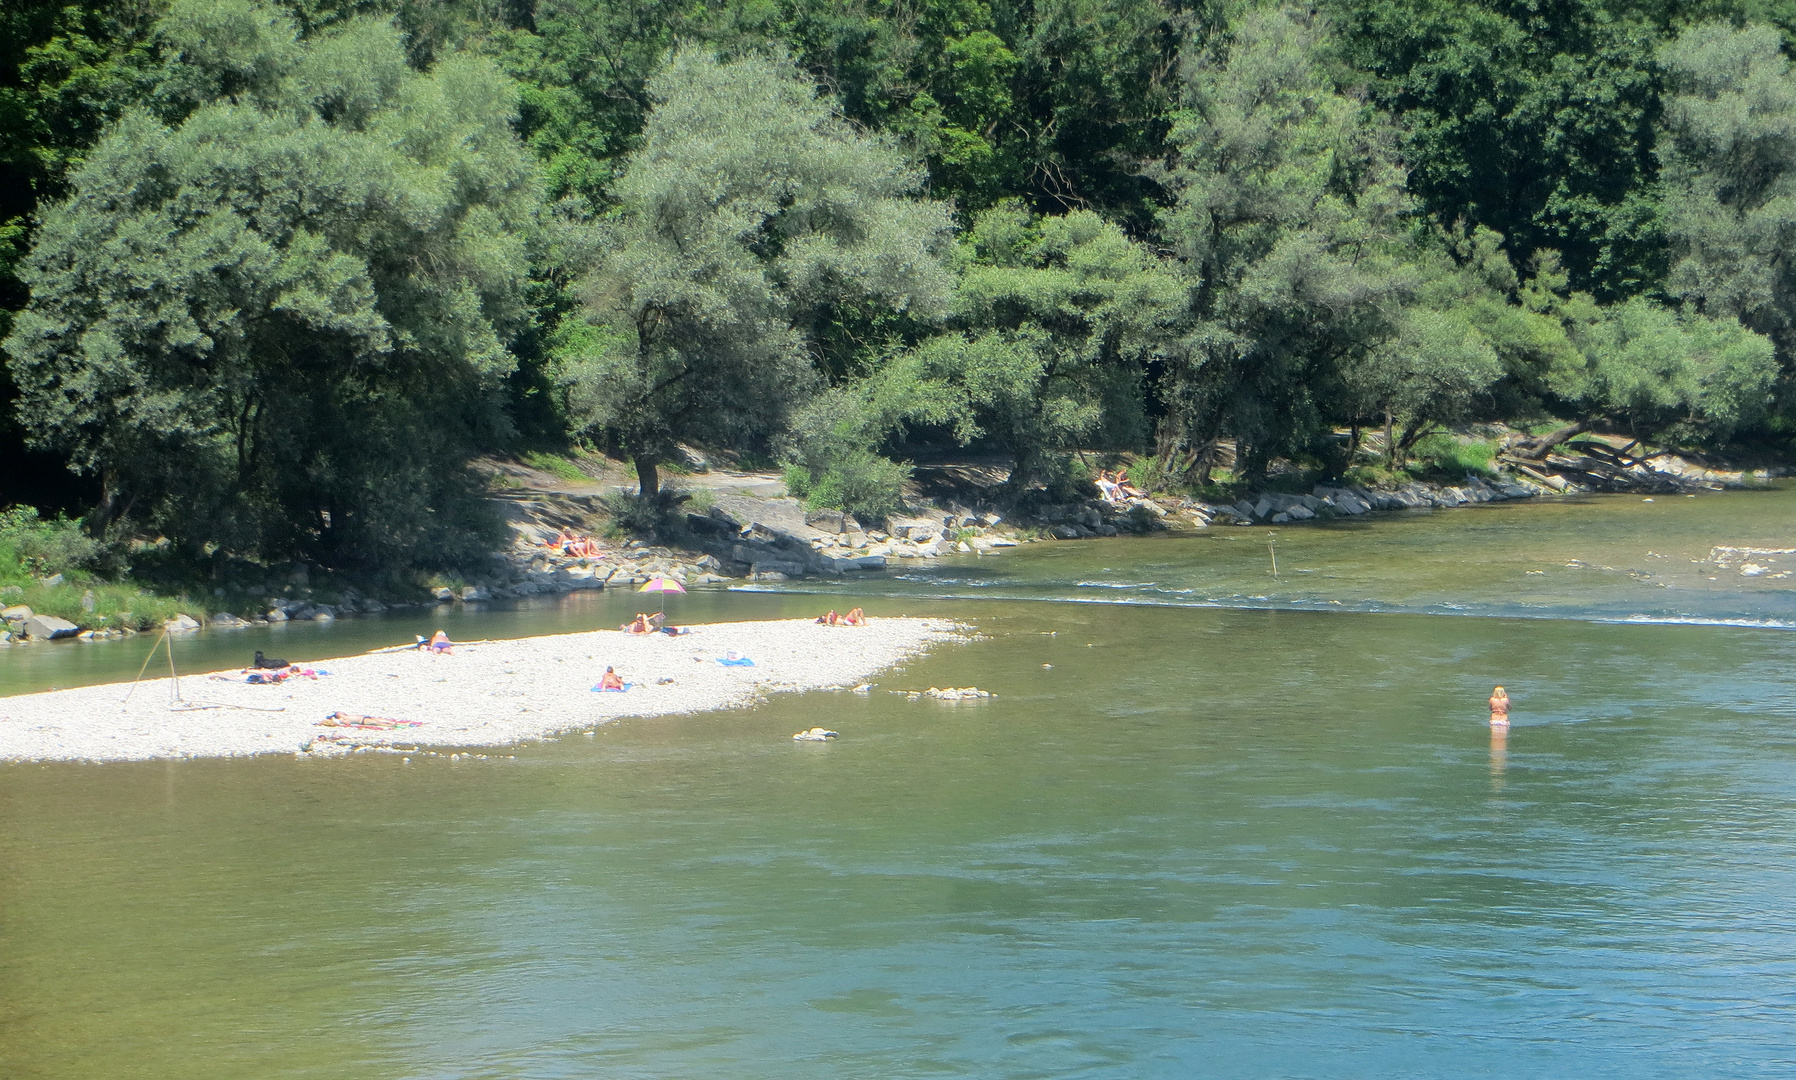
{"x":750,"y":206}
{"x":283,"y":266}
{"x":279,"y":321}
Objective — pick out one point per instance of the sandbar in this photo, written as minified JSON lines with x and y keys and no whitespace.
{"x":494,"y":693}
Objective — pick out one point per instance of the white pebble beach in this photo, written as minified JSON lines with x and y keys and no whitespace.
{"x":494,"y":693}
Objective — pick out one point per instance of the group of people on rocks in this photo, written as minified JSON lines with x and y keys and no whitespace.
{"x":569,"y":544}
{"x":1116,"y":487}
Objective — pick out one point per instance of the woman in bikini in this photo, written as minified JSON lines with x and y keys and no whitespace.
{"x":611,"y":680}
{"x":1499,"y":707}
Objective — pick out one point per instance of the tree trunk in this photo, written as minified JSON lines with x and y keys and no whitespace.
{"x":1536,"y":449}
{"x":648,"y":478}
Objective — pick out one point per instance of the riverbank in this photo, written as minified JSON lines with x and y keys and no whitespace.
{"x":488,"y":694}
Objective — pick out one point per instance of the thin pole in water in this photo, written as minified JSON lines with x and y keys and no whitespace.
{"x":1272,"y":549}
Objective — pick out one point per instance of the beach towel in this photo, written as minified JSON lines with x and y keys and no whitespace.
{"x":614,"y":689}
{"x":736,"y":661}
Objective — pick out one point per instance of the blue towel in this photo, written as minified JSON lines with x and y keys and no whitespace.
{"x":740,"y":661}
{"x":614,"y":690}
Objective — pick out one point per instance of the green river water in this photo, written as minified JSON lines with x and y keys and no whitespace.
{"x":1215,"y":824}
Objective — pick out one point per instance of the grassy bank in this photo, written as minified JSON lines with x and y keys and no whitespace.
{"x":53,"y":568}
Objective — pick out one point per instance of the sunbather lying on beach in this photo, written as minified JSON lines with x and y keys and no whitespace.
{"x":642,"y":624}
{"x":855,"y":617}
{"x":829,"y":618}
{"x":440,"y":643}
{"x":354,"y":720}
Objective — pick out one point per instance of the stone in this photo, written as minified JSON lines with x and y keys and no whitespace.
{"x":51,"y":581}
{"x":475,"y":594}
{"x":1300,"y":512}
{"x":49,"y":628}
{"x":1064,"y":532}
{"x":276,"y":615}
{"x":323,"y":614}
{"x":182,"y":622}
{"x":1002,"y":541}
{"x":443,"y":593}
{"x":829,"y":521}
{"x":17,"y":613}
{"x":224,"y":620}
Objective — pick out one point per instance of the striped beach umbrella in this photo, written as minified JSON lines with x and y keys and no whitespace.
{"x":662,"y":585}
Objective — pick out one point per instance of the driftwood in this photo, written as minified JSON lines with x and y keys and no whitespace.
{"x":1536,"y":448}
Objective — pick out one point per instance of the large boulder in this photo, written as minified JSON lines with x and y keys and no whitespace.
{"x":181,"y":622}
{"x":17,"y":613}
{"x":49,"y":628}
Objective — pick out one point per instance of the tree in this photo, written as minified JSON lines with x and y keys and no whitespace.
{"x":1291,"y":225}
{"x":749,"y":208}
{"x":1533,"y":120}
{"x":278,"y":323}
{"x":1730,"y":177}
{"x":1054,"y":322}
{"x":1656,"y":371}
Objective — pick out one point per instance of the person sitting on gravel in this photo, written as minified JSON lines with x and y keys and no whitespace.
{"x":440,"y":644}
{"x":611,"y":681}
{"x":856,"y":617}
{"x":1106,"y":486}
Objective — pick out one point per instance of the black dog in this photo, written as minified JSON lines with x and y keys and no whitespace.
{"x":264,"y":662}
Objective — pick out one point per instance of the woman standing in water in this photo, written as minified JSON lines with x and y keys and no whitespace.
{"x":1499,"y":708}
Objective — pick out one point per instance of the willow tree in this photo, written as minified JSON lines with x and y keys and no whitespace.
{"x":1290,"y":220}
{"x":273,"y":313}
{"x":750,"y":207}
{"x":1730,"y":176}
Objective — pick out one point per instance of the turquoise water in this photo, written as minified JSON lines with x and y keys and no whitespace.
{"x":1207,"y":840}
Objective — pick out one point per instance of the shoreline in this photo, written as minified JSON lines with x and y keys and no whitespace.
{"x":495,"y":693}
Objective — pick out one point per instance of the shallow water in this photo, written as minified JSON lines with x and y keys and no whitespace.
{"x":1204,"y":841}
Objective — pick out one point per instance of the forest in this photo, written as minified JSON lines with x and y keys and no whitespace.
{"x":273,"y":274}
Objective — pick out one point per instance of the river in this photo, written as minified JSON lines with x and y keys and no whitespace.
{"x":1215,"y":823}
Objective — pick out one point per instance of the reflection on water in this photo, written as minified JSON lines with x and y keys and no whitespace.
{"x":1499,"y":755}
{"x":1199,"y":843}
{"x":1183,"y":840}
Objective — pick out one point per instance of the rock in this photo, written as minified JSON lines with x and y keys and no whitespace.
{"x":1281,"y":517}
{"x":1300,"y":512}
{"x":49,"y":628}
{"x":829,"y":521}
{"x":17,"y":613}
{"x":224,"y":620}
{"x":52,"y":580}
{"x":475,"y":594}
{"x":1064,"y":532}
{"x":323,"y":614}
{"x":1751,"y":570}
{"x":1002,"y":541}
{"x":443,"y":593}
{"x":768,"y":575}
{"x":182,"y":622}
{"x":276,"y":615}
{"x":12,"y":591}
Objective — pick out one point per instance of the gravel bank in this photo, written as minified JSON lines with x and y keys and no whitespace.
{"x":489,"y":694}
